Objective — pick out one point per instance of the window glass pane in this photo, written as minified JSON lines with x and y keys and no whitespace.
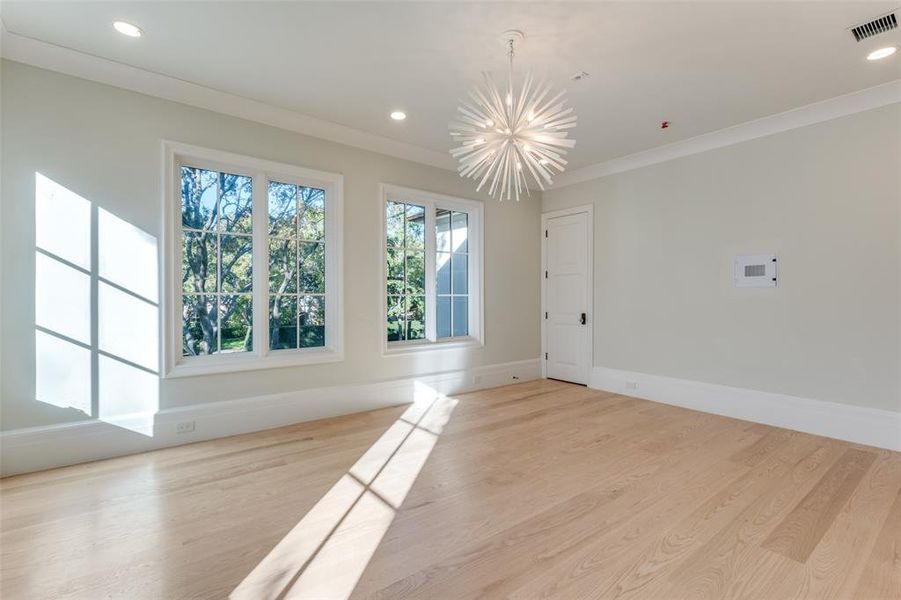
{"x":415,"y":273}
{"x":198,"y":264}
{"x":312,"y":321}
{"x":459,"y":268}
{"x":443,"y":272}
{"x":199,"y":325}
{"x":235,"y":316}
{"x":415,"y":234}
{"x":461,"y":316}
{"x":282,"y":266}
{"x":282,"y":322}
{"x":235,"y":263}
{"x":394,"y":215}
{"x":199,"y":194}
{"x":395,"y":318}
{"x":311,"y":208}
{"x":282,"y":209}
{"x":395,"y":271}
{"x":235,"y":203}
{"x":460,"y":233}
{"x":311,"y":258}
{"x":415,"y":317}
{"x":297,"y":265}
{"x":443,"y":230}
{"x":444,"y":316}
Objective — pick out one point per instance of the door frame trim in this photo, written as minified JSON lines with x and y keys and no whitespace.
{"x":545,"y":216}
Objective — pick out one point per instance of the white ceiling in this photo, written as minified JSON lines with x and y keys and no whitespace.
{"x":701,"y":65}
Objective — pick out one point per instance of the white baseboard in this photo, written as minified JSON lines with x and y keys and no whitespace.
{"x":870,"y":426}
{"x":37,"y":448}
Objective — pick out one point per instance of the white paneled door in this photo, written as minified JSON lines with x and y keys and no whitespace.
{"x":567,"y":297}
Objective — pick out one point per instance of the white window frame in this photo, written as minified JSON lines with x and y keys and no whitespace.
{"x":175,"y":155}
{"x":432,"y":201}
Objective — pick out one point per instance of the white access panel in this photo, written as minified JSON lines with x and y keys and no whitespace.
{"x":755,"y":270}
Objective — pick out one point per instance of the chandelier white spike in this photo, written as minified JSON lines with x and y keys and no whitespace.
{"x":503,"y":136}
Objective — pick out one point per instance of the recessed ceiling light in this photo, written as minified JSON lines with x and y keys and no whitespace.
{"x":398,"y":115}
{"x":881,"y":53}
{"x":128,"y":29}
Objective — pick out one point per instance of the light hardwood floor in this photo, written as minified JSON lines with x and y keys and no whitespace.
{"x":541,"y":489}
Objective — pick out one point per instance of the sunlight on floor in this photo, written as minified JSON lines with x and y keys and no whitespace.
{"x":326,"y":552}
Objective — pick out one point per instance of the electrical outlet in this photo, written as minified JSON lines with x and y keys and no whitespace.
{"x":184,"y":427}
{"x":631,"y":385}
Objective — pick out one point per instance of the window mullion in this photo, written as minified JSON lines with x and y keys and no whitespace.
{"x":260,"y":262}
{"x":431,"y":287}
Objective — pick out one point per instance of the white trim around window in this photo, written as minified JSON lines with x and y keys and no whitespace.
{"x":175,"y":155}
{"x":475,"y":276}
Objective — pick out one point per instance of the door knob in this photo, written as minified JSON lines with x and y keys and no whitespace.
{"x":582,"y":319}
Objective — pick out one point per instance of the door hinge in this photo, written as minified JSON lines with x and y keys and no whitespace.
{"x":545,"y":274}
{"x":545,"y":315}
{"x":545,"y":356}
{"x":545,"y":233}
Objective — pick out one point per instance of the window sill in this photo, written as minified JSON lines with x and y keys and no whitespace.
{"x":415,"y":347}
{"x":213,"y":365}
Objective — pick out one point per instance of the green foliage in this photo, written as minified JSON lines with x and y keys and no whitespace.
{"x":282,"y":322}
{"x":217,"y":269}
{"x":311,"y":258}
{"x":296,"y":266}
{"x":415,"y":273}
{"x":217,"y":252}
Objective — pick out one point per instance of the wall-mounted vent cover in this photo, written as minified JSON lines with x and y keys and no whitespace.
{"x":875,"y":27}
{"x":755,"y":270}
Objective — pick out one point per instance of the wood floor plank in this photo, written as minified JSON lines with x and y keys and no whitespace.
{"x":706,"y":573}
{"x":834,"y":567}
{"x":881,"y":579}
{"x":801,"y":530}
{"x":541,"y":489}
{"x":525,"y":545}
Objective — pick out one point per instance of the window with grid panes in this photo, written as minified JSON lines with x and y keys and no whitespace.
{"x":432,"y":269}
{"x":254,"y":278}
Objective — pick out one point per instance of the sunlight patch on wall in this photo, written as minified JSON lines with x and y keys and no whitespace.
{"x":62,"y":222}
{"x":127,"y":256}
{"x":62,"y":298}
{"x":129,"y":397}
{"x":120,"y":345}
{"x":128,"y":327}
{"x":63,"y":372}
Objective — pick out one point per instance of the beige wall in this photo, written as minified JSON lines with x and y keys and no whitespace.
{"x":826,"y":198}
{"x":104,"y":144}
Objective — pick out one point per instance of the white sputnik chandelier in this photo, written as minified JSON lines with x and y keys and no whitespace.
{"x":502,"y":135}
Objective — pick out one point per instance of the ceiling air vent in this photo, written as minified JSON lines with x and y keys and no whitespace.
{"x":875,"y":27}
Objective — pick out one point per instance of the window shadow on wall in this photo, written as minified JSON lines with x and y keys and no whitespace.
{"x":96,"y":311}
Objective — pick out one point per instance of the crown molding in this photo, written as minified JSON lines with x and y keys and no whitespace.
{"x":48,"y":56}
{"x":825,"y":110}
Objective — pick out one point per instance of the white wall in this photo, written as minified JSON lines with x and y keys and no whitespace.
{"x":104,"y":144}
{"x":826,"y":198}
